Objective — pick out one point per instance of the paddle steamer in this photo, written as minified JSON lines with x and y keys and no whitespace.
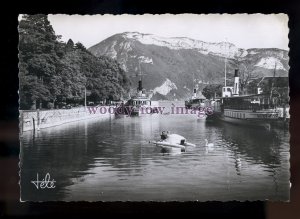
{"x":252,"y":110}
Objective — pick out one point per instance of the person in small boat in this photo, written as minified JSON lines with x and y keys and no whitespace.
{"x":174,"y":138}
{"x":164,"y":135}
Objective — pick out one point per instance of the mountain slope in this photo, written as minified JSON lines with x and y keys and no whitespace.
{"x":169,"y":65}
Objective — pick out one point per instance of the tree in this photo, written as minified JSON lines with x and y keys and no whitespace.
{"x":52,"y":72}
{"x":247,"y":74}
{"x":212,"y":90}
{"x":70,"y":46}
{"x":80,"y":46}
{"x":277,"y":88}
{"x":37,"y":59}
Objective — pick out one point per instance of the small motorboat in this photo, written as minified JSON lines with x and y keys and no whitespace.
{"x":172,"y":141}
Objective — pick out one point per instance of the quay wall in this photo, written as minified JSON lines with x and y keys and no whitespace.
{"x":39,"y":119}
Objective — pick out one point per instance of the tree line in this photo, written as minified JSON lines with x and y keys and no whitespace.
{"x":52,"y":72}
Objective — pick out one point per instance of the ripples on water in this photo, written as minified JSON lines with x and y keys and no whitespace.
{"x":111,"y":159}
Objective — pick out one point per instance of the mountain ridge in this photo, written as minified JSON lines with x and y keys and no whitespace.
{"x":180,"y":60}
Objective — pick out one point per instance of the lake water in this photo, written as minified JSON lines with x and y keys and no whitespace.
{"x":112,"y":159}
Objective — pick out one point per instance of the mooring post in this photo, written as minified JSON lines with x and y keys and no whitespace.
{"x":21,"y":125}
{"x":284,"y":113}
{"x":33,"y":124}
{"x":38,"y":119}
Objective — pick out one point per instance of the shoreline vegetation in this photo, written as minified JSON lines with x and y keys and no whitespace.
{"x":53,"y":74}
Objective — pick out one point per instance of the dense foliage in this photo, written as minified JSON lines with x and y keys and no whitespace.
{"x":52,"y":72}
{"x":277,"y":88}
{"x":212,"y":90}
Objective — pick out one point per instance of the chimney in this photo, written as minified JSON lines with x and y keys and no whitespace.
{"x":140,"y":87}
{"x":236,"y":74}
{"x":236,"y":85}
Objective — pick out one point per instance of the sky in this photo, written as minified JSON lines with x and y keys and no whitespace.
{"x":245,"y":31}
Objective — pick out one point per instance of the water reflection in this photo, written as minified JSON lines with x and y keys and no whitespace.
{"x":112,"y":160}
{"x":260,"y":146}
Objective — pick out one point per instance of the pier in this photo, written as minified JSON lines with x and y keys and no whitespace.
{"x":40,"y":119}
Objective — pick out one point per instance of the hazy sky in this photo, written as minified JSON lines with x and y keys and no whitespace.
{"x":245,"y":31}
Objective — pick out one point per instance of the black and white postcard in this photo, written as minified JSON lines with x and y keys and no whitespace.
{"x":186,"y":107}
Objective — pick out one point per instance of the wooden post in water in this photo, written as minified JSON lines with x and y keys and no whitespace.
{"x":38,"y":119}
{"x":21,"y":124}
{"x":33,"y":124}
{"x":284,"y":113}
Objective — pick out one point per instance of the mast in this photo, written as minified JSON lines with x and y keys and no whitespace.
{"x":225,"y":70}
{"x":274,"y":70}
{"x":140,"y":87}
{"x":85,"y":97}
{"x":194,"y":87}
{"x":140,"y":71}
{"x":225,"y":61}
{"x":194,"y":84}
{"x":272,"y":85}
